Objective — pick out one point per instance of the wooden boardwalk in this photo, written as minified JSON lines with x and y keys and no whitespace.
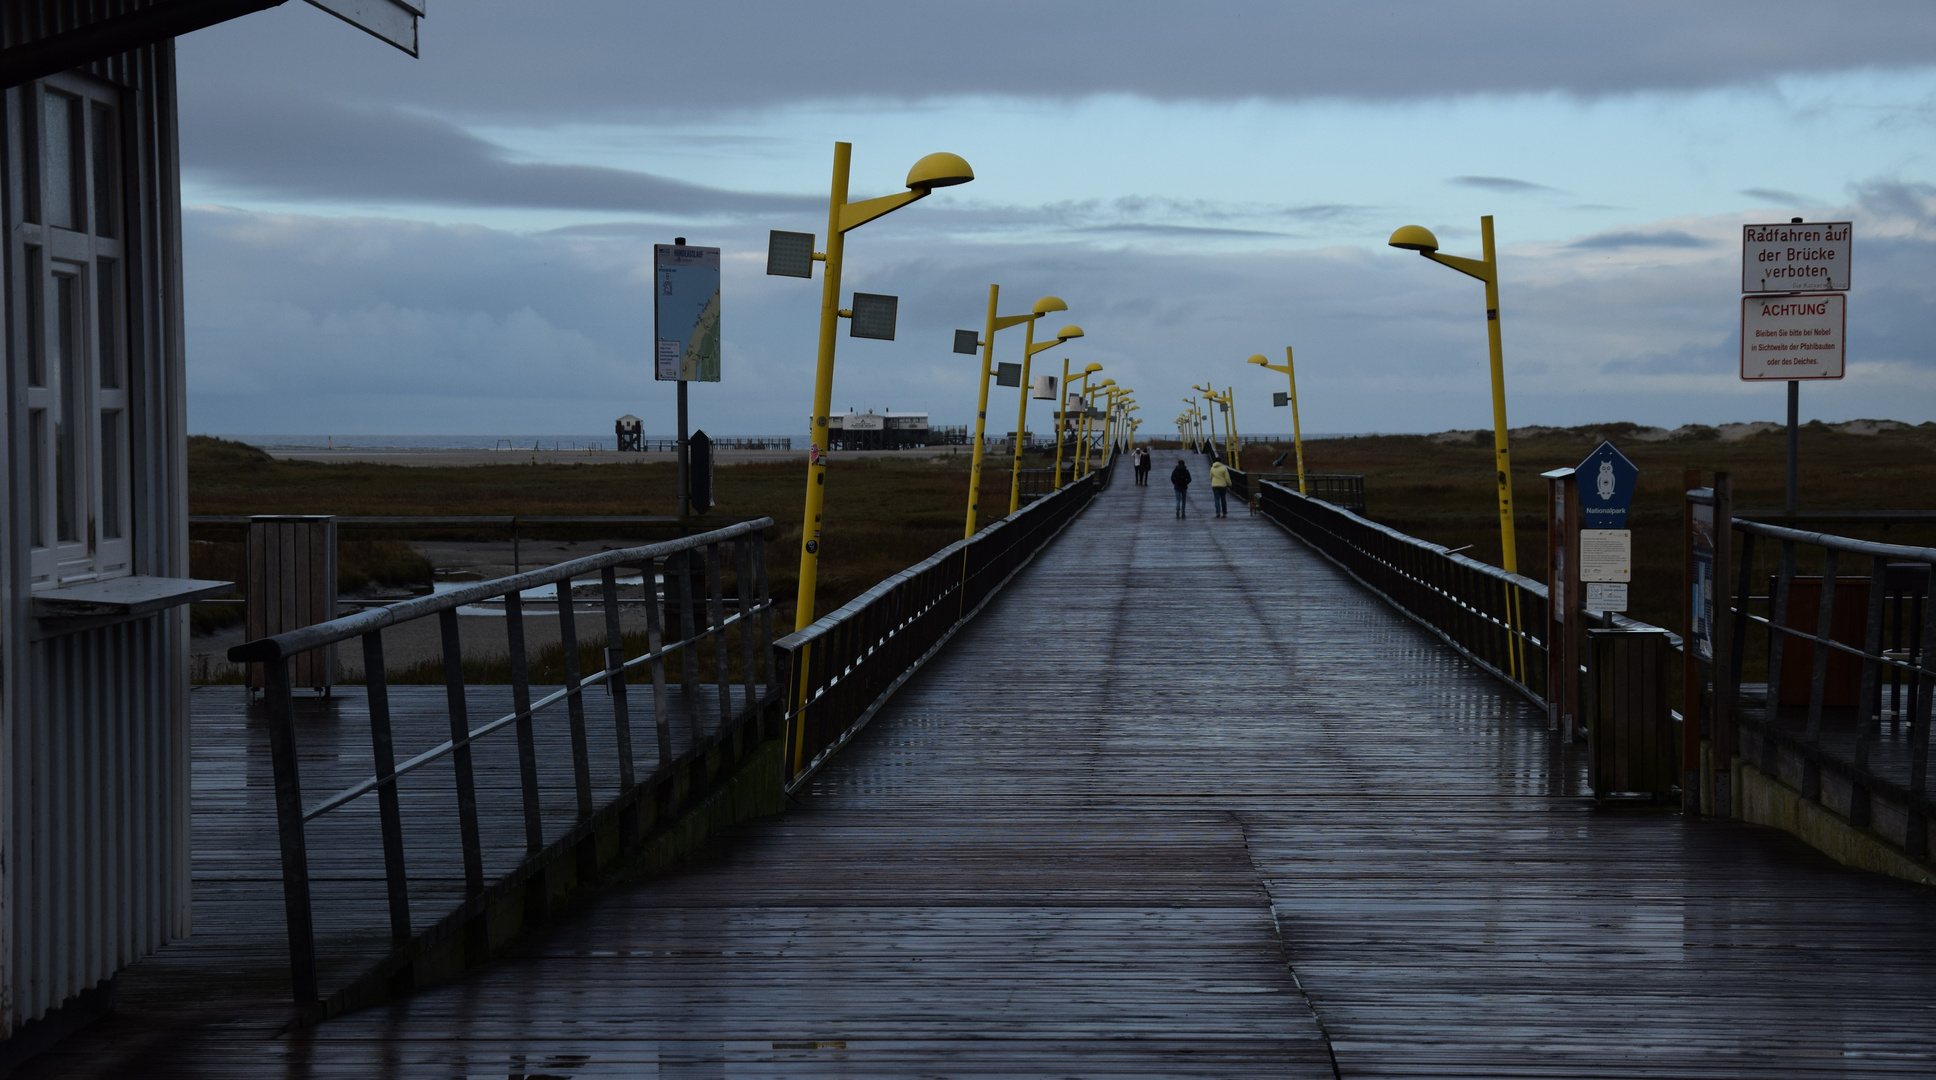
{"x":1184,"y":802}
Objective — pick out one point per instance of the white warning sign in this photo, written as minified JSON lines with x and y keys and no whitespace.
{"x":1793,"y":337}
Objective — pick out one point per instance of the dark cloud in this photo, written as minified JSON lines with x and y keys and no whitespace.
{"x":1668,"y":238}
{"x":1499,"y":183}
{"x":1777,"y":196}
{"x":289,"y":148}
{"x":514,"y":58}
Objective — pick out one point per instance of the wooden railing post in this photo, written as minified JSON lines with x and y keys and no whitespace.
{"x":289,"y":830}
{"x":389,"y":810}
{"x":460,"y":757}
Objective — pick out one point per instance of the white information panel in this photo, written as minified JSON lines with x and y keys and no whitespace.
{"x":1606,"y":555}
{"x":1793,"y":337}
{"x":1796,"y":256}
{"x":1606,"y":596}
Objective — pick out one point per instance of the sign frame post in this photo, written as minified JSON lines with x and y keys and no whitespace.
{"x":681,"y":358}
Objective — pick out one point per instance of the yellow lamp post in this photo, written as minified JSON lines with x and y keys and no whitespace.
{"x":1105,"y":438}
{"x":1067,"y":333}
{"x":1082,"y":423}
{"x":1486,"y":269}
{"x":933,"y":171}
{"x":1061,"y":420}
{"x":1090,"y":432}
{"x":996,"y":322}
{"x":1289,"y":367}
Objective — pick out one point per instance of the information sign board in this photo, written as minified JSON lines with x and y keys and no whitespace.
{"x":685,"y":312}
{"x":1702,"y":600}
{"x":1606,"y":485}
{"x":1606,"y":555}
{"x":1793,"y":337}
{"x":1606,"y":596}
{"x":1793,"y":256}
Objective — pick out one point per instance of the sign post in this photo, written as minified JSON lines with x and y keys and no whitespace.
{"x":685,"y":331}
{"x":1798,"y":335}
{"x":1605,"y":482}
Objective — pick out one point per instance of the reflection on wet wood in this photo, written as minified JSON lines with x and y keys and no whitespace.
{"x":1183,"y":802}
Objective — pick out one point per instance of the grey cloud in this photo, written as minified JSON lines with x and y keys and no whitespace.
{"x":295,"y":149}
{"x":1499,"y":183}
{"x":316,"y":324}
{"x":1669,"y":238}
{"x":1144,"y":228}
{"x":514,"y":58}
{"x":1777,"y":196}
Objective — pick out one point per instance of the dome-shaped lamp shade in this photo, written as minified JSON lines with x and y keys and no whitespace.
{"x":939,"y":170}
{"x":1091,"y":369}
{"x":1414,"y":238}
{"x":1258,"y":358}
{"x":1048,"y":304}
{"x":1068,"y":332}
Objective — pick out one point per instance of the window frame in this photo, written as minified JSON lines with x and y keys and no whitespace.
{"x":79,"y":368}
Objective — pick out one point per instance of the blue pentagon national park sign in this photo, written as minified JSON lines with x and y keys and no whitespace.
{"x":1606,"y":483}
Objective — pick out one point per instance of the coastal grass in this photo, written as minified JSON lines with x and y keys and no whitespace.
{"x":881,"y":515}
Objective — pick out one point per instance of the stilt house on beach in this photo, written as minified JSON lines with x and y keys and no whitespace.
{"x":94,"y":754}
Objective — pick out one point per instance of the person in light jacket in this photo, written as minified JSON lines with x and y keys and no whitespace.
{"x":1220,"y":487}
{"x":1180,"y":480}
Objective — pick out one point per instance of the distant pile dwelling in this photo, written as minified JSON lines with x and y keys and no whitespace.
{"x":877,"y":431}
{"x":630,"y":430}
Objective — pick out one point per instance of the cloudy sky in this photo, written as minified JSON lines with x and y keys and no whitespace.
{"x":462,"y":243}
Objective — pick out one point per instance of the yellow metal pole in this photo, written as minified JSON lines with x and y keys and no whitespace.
{"x":1082,"y":431}
{"x":1297,"y":432}
{"x":823,"y":392}
{"x":1230,"y":400}
{"x":1021,"y":422}
{"x":1061,"y":419}
{"x":981,"y":411}
{"x":1509,"y":548}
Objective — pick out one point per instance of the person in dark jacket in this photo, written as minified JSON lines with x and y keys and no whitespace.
{"x":1180,"y":480}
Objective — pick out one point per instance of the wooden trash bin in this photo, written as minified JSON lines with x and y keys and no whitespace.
{"x":1631,"y":750}
{"x":292,"y":584}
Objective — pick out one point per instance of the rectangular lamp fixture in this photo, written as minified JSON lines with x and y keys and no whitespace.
{"x":789,"y":254}
{"x":966,"y":342}
{"x":1008,"y":374}
{"x":874,"y":316}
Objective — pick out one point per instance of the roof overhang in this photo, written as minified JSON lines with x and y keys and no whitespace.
{"x":94,"y":39}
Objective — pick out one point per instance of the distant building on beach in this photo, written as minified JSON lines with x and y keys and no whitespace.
{"x":878,"y":431}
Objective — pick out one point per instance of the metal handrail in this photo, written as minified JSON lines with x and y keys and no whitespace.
{"x":306,"y":638}
{"x":364,"y":787}
{"x":849,"y":661}
{"x":1510,"y":643}
{"x":687,"y":557}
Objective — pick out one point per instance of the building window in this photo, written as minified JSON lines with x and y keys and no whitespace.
{"x":75,"y":336}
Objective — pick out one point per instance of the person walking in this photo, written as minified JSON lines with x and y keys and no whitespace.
{"x":1220,"y":487}
{"x":1142,"y":466}
{"x":1180,"y":480}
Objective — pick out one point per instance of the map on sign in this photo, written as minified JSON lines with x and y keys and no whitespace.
{"x":685,"y":312}
{"x":1796,"y":256}
{"x":1793,"y":337}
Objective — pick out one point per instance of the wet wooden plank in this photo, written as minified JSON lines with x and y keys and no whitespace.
{"x":1181,"y":794}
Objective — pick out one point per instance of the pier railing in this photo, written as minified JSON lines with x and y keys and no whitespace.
{"x":718,"y":692}
{"x":1844,"y":627}
{"x":846,"y":665}
{"x":1493,"y":617}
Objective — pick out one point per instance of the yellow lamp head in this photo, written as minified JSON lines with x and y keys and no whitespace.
{"x":939,"y":170}
{"x":1107,"y":382}
{"x":1258,"y":358}
{"x":1092,"y":369}
{"x":1047,"y":303}
{"x":1415,"y":238}
{"x":1068,"y":333}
